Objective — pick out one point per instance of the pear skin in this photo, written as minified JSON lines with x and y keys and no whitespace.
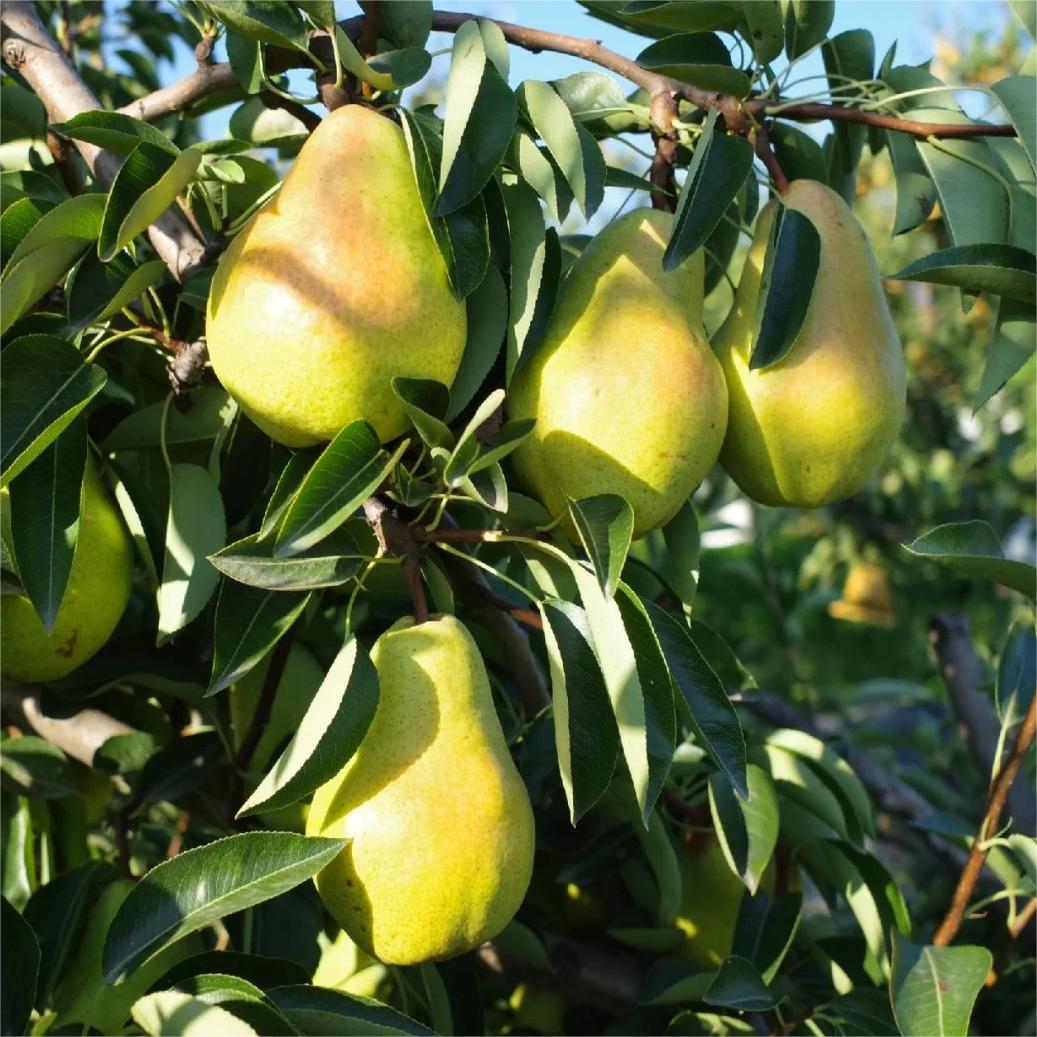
{"x":627,"y":396}
{"x":439,"y":822}
{"x":812,"y":428}
{"x":98,"y":589}
{"x":335,"y":288}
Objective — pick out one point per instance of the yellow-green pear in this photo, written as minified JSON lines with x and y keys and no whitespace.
{"x":627,"y":396}
{"x":95,"y":598}
{"x":813,"y":427}
{"x":335,"y":288}
{"x":439,"y":822}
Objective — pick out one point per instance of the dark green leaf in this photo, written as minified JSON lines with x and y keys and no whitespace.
{"x":348,"y":471}
{"x":288,"y":482}
{"x":180,"y":767}
{"x":681,"y":536}
{"x":738,"y":985}
{"x":145,"y":186}
{"x":259,"y":969}
{"x":487,"y":327}
{"x":316,"y":1010}
{"x":124,"y":753}
{"x":45,"y":501}
{"x":765,"y":929}
{"x":586,"y":738}
{"x":764,"y":28}
{"x":806,"y":24}
{"x":973,"y":548}
{"x":605,"y":524}
{"x":916,"y":192}
{"x":44,"y":385}
{"x":799,"y":155}
{"x":405,"y":22}
{"x":36,"y":768}
{"x":790,"y":269}
{"x":265,"y":21}
{"x":1012,"y":347}
{"x":202,"y":885}
{"x":249,"y":622}
{"x":246,"y":62}
{"x":698,"y":58}
{"x":994,"y":268}
{"x":114,"y":132}
{"x":170,"y":1013}
{"x":848,"y":57}
{"x":330,"y":564}
{"x":205,"y":419}
{"x":425,"y":403}
{"x":711,"y":186}
{"x":330,"y":733}
{"x":706,"y":705}
{"x":1016,"y":96}
{"x":21,"y":954}
{"x":933,"y":989}
{"x":96,"y":291}
{"x":747,"y":827}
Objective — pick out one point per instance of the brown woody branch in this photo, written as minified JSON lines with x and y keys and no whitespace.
{"x":923,"y":130}
{"x":988,"y":827}
{"x":765,"y":153}
{"x":29,"y":49}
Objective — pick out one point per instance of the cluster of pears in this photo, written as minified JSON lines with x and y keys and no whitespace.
{"x":337,"y":286}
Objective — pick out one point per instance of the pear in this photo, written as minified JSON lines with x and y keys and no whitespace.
{"x":439,"y":822}
{"x":95,"y":598}
{"x":812,"y":428}
{"x":627,"y":396}
{"x":333,"y":289}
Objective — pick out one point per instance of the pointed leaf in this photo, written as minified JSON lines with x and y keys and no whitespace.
{"x":44,"y":385}
{"x":487,"y":327}
{"x":425,"y":402}
{"x":331,"y":563}
{"x":96,"y":291}
{"x":249,"y":622}
{"x":113,"y":131}
{"x":330,"y":733}
{"x":698,"y":58}
{"x":1016,"y":97}
{"x":1012,"y":347}
{"x":747,"y":827}
{"x":202,"y":885}
{"x":605,"y":524}
{"x":806,"y":24}
{"x":317,"y":1010}
{"x":45,"y":503}
{"x":171,"y":1013}
{"x":997,"y":269}
{"x":973,"y":548}
{"x":585,"y":733}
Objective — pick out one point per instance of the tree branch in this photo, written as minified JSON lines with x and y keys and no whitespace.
{"x":765,"y":153}
{"x":205,"y":80}
{"x":29,"y":50}
{"x":988,"y":827}
{"x":961,"y":672}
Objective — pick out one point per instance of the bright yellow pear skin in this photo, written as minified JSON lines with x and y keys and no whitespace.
{"x":95,"y":597}
{"x":335,"y":288}
{"x":627,"y":395}
{"x":812,"y":428}
{"x":440,"y":824}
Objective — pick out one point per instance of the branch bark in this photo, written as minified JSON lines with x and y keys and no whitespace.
{"x":29,"y":50}
{"x":988,"y":827}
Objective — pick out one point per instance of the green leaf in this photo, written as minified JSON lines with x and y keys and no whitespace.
{"x":205,"y":419}
{"x":748,"y":826}
{"x":406,"y":23}
{"x":789,"y":272}
{"x":534,"y":164}
{"x":317,"y":1010}
{"x":1016,"y":676}
{"x":331,"y":563}
{"x":267,"y":127}
{"x":180,"y":767}
{"x":96,"y":291}
{"x":171,"y":1013}
{"x":738,"y":985}
{"x":933,"y":989}
{"x":265,"y":21}
{"x":330,"y":733}
{"x":719,"y":167}
{"x":1012,"y":347}
{"x":573,"y":148}
{"x":498,"y":445}
{"x":288,"y":483}
{"x":698,"y":58}
{"x":249,"y":622}
{"x":586,"y":737}
{"x":113,"y":131}
{"x":850,"y":56}
{"x":988,"y":267}
{"x":44,"y":385}
{"x":461,"y":459}
{"x":240,"y":998}
{"x":124,"y":753}
{"x":605,"y":524}
{"x":45,"y":502}
{"x":202,"y":885}
{"x":21,"y":954}
{"x":389,"y":70}
{"x":29,"y":183}
{"x":706,"y":705}
{"x":145,"y":186}
{"x":765,"y":929}
{"x":681,"y":536}
{"x":487,"y":326}
{"x":46,"y":252}
{"x":765,"y":30}
{"x":799,"y":155}
{"x":535,"y":263}
{"x":425,"y":402}
{"x":916,"y":192}
{"x":973,"y":548}
{"x":195,"y":529}
{"x":480,"y":118}
{"x":18,"y":219}
{"x":1016,"y":97}
{"x":348,"y":471}
{"x":806,"y":24}
{"x":798,"y":781}
{"x":37,"y":769}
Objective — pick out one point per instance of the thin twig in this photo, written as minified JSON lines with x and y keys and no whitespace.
{"x":411,"y":570}
{"x":995,"y":804}
{"x":311,"y":120}
{"x":923,"y":130}
{"x":764,"y":151}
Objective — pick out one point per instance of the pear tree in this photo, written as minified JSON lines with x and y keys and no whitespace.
{"x":500,"y":552}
